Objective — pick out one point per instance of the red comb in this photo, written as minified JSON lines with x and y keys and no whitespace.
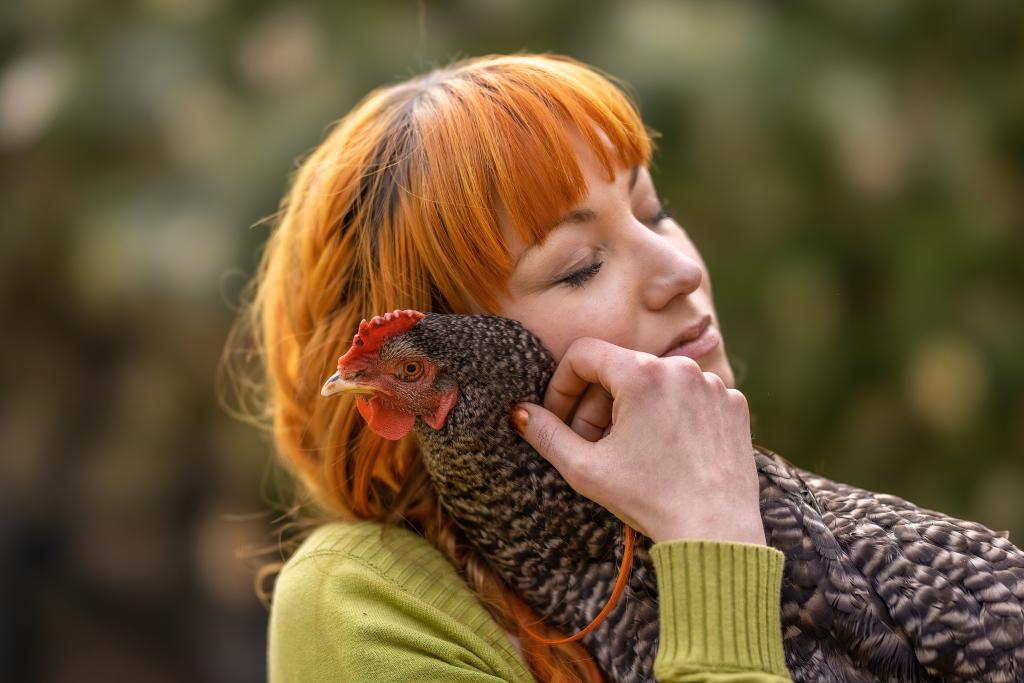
{"x":374,"y":331}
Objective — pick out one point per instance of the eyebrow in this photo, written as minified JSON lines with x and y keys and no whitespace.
{"x":587,"y":215}
{"x":577,"y":216}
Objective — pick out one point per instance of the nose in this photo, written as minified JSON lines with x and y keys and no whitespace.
{"x":667,"y":272}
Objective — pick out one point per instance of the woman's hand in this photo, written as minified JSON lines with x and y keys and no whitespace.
{"x":667,"y":447}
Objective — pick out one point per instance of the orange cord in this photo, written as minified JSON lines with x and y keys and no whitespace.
{"x":620,"y":585}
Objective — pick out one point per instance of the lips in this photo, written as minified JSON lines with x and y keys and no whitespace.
{"x":696,"y":340}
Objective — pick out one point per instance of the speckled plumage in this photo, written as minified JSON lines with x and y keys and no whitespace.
{"x":874,"y":588}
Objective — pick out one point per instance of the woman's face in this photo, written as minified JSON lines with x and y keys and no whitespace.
{"x":618,"y":271}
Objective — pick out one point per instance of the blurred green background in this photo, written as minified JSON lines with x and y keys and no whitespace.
{"x":852,"y":171}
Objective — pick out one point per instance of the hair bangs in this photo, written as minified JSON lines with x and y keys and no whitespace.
{"x":495,"y":138}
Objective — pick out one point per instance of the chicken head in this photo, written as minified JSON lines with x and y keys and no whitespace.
{"x":394,"y":381}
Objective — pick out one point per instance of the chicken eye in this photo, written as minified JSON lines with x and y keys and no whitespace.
{"x":412,"y":369}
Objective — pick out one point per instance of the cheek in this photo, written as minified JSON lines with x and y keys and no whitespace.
{"x":559,"y":326}
{"x":409,"y":397}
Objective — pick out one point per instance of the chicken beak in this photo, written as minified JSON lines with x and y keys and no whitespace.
{"x":336,"y":385}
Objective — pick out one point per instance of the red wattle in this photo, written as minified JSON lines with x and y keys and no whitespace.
{"x":387,"y":422}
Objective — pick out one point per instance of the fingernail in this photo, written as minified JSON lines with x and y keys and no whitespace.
{"x":520,"y":418}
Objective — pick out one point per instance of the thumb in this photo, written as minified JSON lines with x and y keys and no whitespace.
{"x":549,"y":436}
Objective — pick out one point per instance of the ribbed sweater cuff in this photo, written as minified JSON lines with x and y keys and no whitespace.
{"x":719,"y":607}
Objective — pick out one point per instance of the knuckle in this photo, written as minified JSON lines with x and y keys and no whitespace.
{"x":576,"y":346}
{"x":684,"y":366}
{"x":737,"y":397}
{"x":651,"y":375}
{"x":648,"y":367}
{"x":714,"y":380}
{"x":584,"y":346}
{"x":546,"y":439}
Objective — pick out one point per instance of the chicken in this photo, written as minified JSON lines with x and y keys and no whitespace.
{"x":874,"y":588}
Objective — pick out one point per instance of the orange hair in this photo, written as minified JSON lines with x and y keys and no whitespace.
{"x":398,"y":208}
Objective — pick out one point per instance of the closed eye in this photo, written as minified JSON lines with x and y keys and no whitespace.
{"x":578,"y":277}
{"x":664,"y":211}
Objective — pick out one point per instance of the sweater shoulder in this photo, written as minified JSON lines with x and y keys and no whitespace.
{"x":395,"y":554}
{"x":343,"y":561}
{"x":361,"y":598}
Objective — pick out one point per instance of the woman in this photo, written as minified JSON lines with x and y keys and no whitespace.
{"x":516,"y":185}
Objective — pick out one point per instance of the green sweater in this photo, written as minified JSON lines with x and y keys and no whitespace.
{"x":364,"y":602}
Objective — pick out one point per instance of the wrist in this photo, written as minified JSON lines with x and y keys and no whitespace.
{"x":708,"y":530}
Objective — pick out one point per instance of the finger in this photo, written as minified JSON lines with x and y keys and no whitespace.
{"x":550,"y":437}
{"x":714,"y":380}
{"x":738,"y":397}
{"x":593,"y":414}
{"x":562,"y":397}
{"x":587,"y":361}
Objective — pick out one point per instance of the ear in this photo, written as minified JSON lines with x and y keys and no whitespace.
{"x":448,"y":399}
